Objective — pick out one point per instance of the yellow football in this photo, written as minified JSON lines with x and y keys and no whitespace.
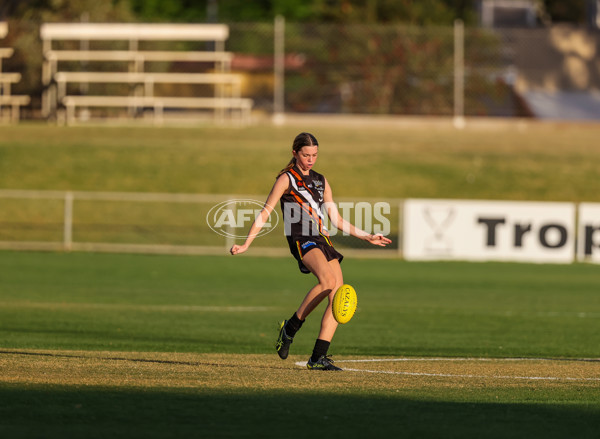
{"x":344,"y":304}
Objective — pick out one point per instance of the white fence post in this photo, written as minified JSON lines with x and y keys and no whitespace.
{"x":459,"y":74}
{"x":279,"y":71}
{"x":400,"y":227}
{"x":68,"y":222}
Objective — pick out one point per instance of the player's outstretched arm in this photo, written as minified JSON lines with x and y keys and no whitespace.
{"x":277,"y":191}
{"x":345,"y":226}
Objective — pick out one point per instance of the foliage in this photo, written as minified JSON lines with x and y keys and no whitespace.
{"x":339,"y":11}
{"x":386,"y":69}
{"x":422,"y":12}
{"x":572,"y":11}
{"x":172,"y":10}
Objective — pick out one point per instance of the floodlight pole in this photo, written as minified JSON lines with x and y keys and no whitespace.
{"x":459,"y":74}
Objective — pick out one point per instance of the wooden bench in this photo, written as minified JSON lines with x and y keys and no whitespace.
{"x":55,"y":80}
{"x":157,"y":104}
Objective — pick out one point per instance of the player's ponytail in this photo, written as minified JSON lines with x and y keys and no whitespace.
{"x":301,"y":140}
{"x":289,"y":166}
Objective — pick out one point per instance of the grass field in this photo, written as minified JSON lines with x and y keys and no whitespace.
{"x":120,"y":345}
{"x":96,"y":345}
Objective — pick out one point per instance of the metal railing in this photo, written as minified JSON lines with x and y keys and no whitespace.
{"x":147,"y":223}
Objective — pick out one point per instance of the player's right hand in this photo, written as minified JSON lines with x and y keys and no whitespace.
{"x":238,"y":249}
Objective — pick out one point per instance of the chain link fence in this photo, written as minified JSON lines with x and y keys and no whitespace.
{"x":376,"y":69}
{"x":407,"y":70}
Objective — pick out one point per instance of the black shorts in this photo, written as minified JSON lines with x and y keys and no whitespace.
{"x":301,"y":246}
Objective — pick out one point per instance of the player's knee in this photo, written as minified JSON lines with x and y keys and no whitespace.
{"x":328,"y":281}
{"x":337,"y":285}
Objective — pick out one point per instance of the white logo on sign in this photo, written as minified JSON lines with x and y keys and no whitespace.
{"x":438,"y":219}
{"x":233,"y":218}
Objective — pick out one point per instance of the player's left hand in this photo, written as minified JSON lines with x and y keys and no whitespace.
{"x":379,"y":240}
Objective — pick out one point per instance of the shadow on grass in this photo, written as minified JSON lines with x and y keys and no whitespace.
{"x":91,"y":412}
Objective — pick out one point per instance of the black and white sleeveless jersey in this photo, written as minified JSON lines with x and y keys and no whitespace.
{"x":302,"y":206}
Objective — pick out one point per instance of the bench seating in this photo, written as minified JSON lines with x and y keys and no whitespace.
{"x":227,"y":86}
{"x":149,"y":79}
{"x":222,"y":60}
{"x":158,"y":104}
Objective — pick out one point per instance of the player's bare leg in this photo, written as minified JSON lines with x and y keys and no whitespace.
{"x":330,"y":279}
{"x":316,"y":262}
{"x":328,"y":322}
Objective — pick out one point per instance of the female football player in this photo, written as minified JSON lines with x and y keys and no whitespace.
{"x":305,"y":195}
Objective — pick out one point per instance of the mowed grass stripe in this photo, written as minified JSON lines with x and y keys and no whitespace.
{"x":73,"y":306}
{"x":178,"y":303}
{"x":535,"y":161}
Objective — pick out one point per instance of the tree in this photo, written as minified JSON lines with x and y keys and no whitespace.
{"x":26,"y":16}
{"x":573,"y":11}
{"x":419,"y":12}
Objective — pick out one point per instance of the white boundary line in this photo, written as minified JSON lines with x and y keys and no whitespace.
{"x":503,"y":377}
{"x":447,"y":375}
{"x":383,"y":360}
